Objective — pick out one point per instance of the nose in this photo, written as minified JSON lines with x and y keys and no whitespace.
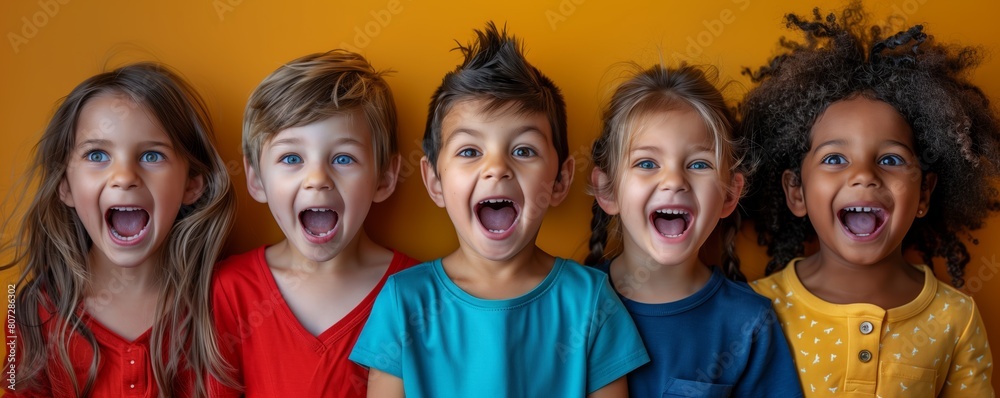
{"x":318,"y":178}
{"x":672,"y":178}
{"x":124,"y":176}
{"x":496,"y":166}
{"x":864,"y":176}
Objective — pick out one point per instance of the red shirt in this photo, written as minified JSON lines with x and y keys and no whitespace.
{"x":272,"y":353}
{"x":124,"y":369}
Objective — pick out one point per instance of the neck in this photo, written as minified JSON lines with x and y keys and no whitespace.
{"x":639,"y":277}
{"x":107,"y":277}
{"x":349,"y":259}
{"x":836,"y":280}
{"x":466,"y":264}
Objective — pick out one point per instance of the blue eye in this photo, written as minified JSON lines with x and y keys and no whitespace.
{"x":468,"y":153}
{"x":291,"y":159}
{"x":834,"y":159}
{"x":646,"y":164}
{"x":892,"y":160}
{"x":523,"y":152}
{"x":700,"y":165}
{"x":343,"y":159}
{"x":97,"y":156}
{"x":152,"y":157}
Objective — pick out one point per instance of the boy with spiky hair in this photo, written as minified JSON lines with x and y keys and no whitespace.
{"x":319,"y":135}
{"x":498,"y":314}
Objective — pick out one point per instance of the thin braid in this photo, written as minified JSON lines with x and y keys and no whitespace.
{"x":599,"y":223}
{"x":730,"y":226}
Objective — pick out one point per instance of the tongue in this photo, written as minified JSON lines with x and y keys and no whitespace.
{"x":128,"y":223}
{"x":497,"y":219}
{"x":672,"y":226}
{"x":319,"y":222}
{"x":860,"y":223}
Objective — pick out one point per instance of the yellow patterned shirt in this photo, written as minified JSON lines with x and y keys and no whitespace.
{"x":932,"y":346}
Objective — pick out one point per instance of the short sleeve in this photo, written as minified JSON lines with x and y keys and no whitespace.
{"x":380,"y":345}
{"x":770,"y":369}
{"x":971,"y":371}
{"x":227,"y":325}
{"x":616,"y":347}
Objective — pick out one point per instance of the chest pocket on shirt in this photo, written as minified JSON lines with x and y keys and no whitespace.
{"x":689,"y":388}
{"x":899,"y":379}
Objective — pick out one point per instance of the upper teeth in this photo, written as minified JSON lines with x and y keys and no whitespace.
{"x":318,"y":209}
{"x":126,"y":208}
{"x":672,"y":211}
{"x":861,"y":209}
{"x":496,"y":201}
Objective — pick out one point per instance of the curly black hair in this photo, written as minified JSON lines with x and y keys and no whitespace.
{"x":956,"y":132}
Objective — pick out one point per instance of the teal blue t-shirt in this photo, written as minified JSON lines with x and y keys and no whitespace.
{"x":567,"y":337}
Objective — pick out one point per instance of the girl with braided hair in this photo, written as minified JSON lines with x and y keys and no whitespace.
{"x":667,"y":170}
{"x":870,"y":145}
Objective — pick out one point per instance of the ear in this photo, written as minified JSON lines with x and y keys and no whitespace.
{"x":387,"y":183}
{"x":560,"y":190}
{"x":254,"y":184}
{"x":195,"y":187}
{"x":733,"y":194}
{"x":926,"y":189}
{"x":605,"y":199}
{"x":794,"y":197}
{"x":64,"y":194}
{"x":431,"y":181}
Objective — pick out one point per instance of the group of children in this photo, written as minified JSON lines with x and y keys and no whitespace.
{"x":866,"y":144}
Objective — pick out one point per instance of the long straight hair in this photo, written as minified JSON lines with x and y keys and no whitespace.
{"x":51,"y":245}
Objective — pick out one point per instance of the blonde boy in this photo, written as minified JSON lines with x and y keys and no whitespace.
{"x":320,"y":148}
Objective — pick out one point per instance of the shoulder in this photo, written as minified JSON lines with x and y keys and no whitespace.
{"x":239,"y":268}
{"x":574,"y":272}
{"x":772,"y":286}
{"x":743,"y":296}
{"x":951,"y":301}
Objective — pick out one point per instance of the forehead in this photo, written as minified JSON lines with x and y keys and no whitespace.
{"x":474,"y":117}
{"x":114,"y":116}
{"x":861,"y":120}
{"x":348,"y":127}
{"x":681,"y":127}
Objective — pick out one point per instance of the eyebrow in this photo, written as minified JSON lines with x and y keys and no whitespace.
{"x":530,"y":128}
{"x":299,"y":141}
{"x":695,"y":148}
{"x":145,"y":144}
{"x":829,"y":143}
{"x":886,"y":143}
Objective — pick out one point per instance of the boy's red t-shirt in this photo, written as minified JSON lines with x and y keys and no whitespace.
{"x":272,"y":353}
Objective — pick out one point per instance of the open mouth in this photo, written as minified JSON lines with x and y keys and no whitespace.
{"x":497,"y":215}
{"x":319,"y":222}
{"x":862,"y":221}
{"x":128,"y":224}
{"x":671,"y":223}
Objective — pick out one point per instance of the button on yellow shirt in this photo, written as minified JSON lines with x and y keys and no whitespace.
{"x":932,"y":346}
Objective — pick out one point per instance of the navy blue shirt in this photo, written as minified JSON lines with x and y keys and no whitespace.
{"x":722,"y":341}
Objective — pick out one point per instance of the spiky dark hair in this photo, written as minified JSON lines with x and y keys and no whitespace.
{"x":496,"y":71}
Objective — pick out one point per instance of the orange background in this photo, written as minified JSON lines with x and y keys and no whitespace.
{"x":225,"y":47}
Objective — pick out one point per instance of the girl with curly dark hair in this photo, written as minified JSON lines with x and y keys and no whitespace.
{"x":872,"y":145}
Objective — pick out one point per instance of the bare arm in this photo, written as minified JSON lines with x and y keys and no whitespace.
{"x":616,"y":389}
{"x":384,"y":385}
